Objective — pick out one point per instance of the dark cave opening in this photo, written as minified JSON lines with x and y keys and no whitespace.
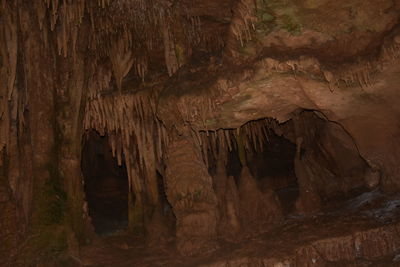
{"x":272,"y":167}
{"x":166,"y":206}
{"x":105,"y":184}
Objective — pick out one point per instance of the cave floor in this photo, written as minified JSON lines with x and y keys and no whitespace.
{"x":361,"y":231}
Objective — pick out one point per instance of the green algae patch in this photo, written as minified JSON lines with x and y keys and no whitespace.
{"x":273,"y":15}
{"x":290,"y":25}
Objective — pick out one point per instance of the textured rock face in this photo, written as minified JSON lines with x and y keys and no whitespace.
{"x":189,"y":190}
{"x":9,"y":228}
{"x":258,"y":210}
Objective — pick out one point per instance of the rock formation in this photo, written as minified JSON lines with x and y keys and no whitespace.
{"x":227,"y":118}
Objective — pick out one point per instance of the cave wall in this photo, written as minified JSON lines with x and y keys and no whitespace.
{"x":41,"y":136}
{"x":8,"y":217}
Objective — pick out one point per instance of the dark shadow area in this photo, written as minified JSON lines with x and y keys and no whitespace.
{"x":234,"y":167}
{"x":330,"y":158}
{"x":273,"y":168}
{"x":168,"y":215}
{"x":106,"y":185}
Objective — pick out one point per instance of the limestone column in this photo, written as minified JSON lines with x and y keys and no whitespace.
{"x":190,"y":192}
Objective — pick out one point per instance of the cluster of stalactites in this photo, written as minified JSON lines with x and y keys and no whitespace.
{"x":134,"y":131}
{"x":99,"y":81}
{"x":65,"y":18}
{"x":360,"y":73}
{"x":124,"y":31}
{"x":196,"y":110}
{"x":243,"y":22}
{"x":252,"y":136}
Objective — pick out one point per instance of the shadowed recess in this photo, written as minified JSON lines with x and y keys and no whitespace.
{"x":106,"y":185}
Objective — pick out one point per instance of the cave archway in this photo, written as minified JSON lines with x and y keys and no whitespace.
{"x":105,"y":184}
{"x":327,"y":162}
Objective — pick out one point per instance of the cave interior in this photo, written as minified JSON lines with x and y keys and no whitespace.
{"x":199,"y":133}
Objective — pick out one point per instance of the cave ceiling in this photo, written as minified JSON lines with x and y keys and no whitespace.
{"x":200,"y":47}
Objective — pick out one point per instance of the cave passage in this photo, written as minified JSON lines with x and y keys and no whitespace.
{"x":272,"y":167}
{"x":106,"y":185}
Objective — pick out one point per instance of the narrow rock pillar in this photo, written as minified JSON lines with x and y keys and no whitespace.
{"x":190,"y":192}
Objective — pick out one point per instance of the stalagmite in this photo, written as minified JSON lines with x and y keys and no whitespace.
{"x":196,"y":226}
{"x":122,"y":60}
{"x":257,"y":210}
{"x":169,"y":51}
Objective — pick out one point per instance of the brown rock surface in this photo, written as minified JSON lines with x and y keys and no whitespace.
{"x":189,"y":190}
{"x":258,"y":210}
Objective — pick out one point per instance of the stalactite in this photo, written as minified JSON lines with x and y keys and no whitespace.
{"x":250,"y":137}
{"x":171,"y":60}
{"x":329,"y":77}
{"x":131,"y":122}
{"x":360,"y":73}
{"x":148,"y":23}
{"x":122,"y":59}
{"x":239,"y":28}
{"x":41,"y":11}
